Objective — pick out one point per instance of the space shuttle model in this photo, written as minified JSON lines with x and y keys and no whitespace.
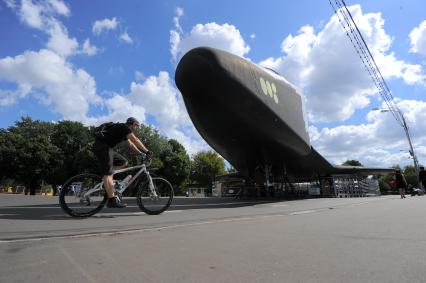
{"x":251,"y":116}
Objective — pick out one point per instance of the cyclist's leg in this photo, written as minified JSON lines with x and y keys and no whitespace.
{"x":113,"y":202}
{"x":118,"y":161}
{"x":105,"y":156}
{"x":105,"y":163}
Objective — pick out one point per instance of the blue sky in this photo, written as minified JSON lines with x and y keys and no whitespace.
{"x":94,"y":61}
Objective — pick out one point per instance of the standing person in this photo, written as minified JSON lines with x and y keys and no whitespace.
{"x":107,"y":136}
{"x":401,"y":183}
{"x":422,"y":177}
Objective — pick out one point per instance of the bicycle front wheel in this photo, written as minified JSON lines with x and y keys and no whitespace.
{"x":83,"y":195}
{"x":156,"y":200}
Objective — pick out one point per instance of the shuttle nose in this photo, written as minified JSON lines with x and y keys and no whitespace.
{"x":194,"y":71}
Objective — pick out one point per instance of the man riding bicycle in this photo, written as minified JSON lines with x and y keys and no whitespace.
{"x":107,"y":137}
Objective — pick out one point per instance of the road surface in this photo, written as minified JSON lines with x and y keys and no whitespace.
{"x":377,"y":239}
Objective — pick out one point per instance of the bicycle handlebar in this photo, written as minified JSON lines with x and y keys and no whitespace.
{"x":147,"y":164}
{"x":147,"y":158}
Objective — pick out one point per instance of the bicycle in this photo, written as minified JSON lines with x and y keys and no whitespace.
{"x":84,"y":195}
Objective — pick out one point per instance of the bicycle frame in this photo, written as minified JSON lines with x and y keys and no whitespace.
{"x":121,"y":190}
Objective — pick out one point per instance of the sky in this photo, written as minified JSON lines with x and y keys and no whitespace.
{"x":97,"y":61}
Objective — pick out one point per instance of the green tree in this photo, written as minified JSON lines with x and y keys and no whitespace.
{"x":152,"y":139}
{"x":352,"y":163}
{"x":411,"y":176}
{"x":7,"y":154}
{"x":205,"y":166}
{"x":176,"y":165}
{"x":74,"y":141}
{"x":29,"y":152}
{"x":169,"y":156}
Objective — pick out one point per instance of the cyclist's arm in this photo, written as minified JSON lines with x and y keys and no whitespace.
{"x":135,"y":143}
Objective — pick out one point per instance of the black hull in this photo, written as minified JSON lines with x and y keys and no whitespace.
{"x":224,"y":98}
{"x":251,"y":116}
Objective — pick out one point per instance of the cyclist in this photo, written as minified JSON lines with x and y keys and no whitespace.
{"x":107,"y":136}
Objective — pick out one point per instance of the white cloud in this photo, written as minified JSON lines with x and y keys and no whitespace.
{"x":10,"y":3}
{"x":176,"y":19}
{"x":139,"y":76}
{"x":31,"y":14}
{"x":252,"y":36}
{"x":160,"y":99}
{"x":155,"y":97}
{"x":59,"y":7}
{"x":9,"y":97}
{"x":67,"y":90}
{"x":104,"y":25}
{"x":88,"y":48}
{"x":418,"y":39}
{"x":327,"y":69}
{"x":126,"y":38}
{"x":226,"y":37}
{"x":50,"y":78}
{"x":376,"y":143}
{"x":118,"y":108}
{"x":59,"y":41}
{"x":41,"y":15}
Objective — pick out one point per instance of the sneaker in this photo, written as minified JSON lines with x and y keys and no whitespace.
{"x":115,"y":203}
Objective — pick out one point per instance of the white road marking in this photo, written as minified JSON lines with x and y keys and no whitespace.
{"x":130,"y":213}
{"x":217,"y":204}
{"x":303,"y":212}
{"x":81,"y":270}
{"x":361,"y":203}
{"x":278,"y":205}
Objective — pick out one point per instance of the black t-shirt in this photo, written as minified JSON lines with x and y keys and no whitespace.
{"x":116,"y":133}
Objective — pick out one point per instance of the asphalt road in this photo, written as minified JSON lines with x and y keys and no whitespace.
{"x":380,"y":239}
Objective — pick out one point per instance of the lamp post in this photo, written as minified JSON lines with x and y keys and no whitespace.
{"x":407,"y":134}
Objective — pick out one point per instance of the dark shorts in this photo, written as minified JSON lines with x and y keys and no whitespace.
{"x":107,"y":158}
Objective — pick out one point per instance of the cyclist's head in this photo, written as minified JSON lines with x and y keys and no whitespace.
{"x":132,"y":123}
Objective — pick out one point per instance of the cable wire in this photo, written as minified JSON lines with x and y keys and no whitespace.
{"x":354,"y":34}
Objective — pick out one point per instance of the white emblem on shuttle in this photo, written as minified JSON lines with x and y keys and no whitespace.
{"x":269,"y":89}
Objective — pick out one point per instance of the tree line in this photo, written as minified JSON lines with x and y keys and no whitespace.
{"x":33,"y":152}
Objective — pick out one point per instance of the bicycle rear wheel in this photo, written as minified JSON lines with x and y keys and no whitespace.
{"x":83,"y":195}
{"x":151,"y":204}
